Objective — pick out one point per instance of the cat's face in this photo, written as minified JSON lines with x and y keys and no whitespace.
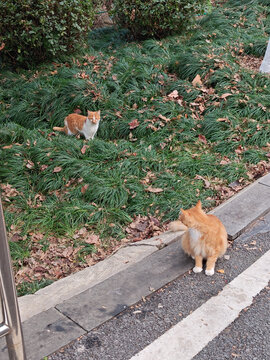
{"x":188,"y":217}
{"x":93,"y":116}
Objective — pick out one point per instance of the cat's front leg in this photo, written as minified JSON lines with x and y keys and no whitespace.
{"x":89,"y":137}
{"x":210,"y":265}
{"x":198,"y":264}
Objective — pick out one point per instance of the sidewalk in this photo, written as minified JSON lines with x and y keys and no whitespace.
{"x":74,"y":306}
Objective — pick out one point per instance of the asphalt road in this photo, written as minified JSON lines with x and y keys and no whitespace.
{"x":246,"y":338}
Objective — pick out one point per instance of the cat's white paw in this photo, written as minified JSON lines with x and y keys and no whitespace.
{"x":197,"y":269}
{"x":209,"y":272}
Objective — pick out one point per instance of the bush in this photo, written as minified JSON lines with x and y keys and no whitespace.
{"x":156,"y":18}
{"x":33,"y":30}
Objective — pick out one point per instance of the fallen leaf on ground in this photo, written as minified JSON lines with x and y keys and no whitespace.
{"x":84,"y":148}
{"x":225,"y":161}
{"x":118,"y":114}
{"x":84,"y":188}
{"x":57,"y":169}
{"x":8,"y":191}
{"x":173,"y":95}
{"x":154,"y":190}
{"x":92,"y":239}
{"x":197,"y":81}
{"x":223,"y":120}
{"x":30,"y":164}
{"x":224,"y":96}
{"x":164,"y":118}
{"x":206,"y":182}
{"x":15,"y":238}
{"x":202,"y":139}
{"x":36,"y":237}
{"x":144,"y":227}
{"x":43,"y":167}
{"x":134,"y":124}
{"x":221,"y":271}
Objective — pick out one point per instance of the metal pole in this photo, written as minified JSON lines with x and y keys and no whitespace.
{"x":11,"y":326}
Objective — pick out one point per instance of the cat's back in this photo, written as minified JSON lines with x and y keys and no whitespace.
{"x":213,"y":224}
{"x":75,"y":122}
{"x":76,"y":118}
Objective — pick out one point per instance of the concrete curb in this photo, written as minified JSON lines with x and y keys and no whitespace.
{"x":75,"y":284}
{"x":72,"y":285}
{"x":245,"y":207}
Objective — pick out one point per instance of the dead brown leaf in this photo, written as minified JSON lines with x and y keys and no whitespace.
{"x":84,"y":148}
{"x":202,"y":139}
{"x":67,"y":252}
{"x":173,"y":95}
{"x":36,"y":237}
{"x":92,"y":239}
{"x":224,"y":96}
{"x":223,"y":120}
{"x":206,"y":182}
{"x":225,"y":161}
{"x":164,"y":118}
{"x":8,"y":192}
{"x":221,"y":271}
{"x":134,"y":124}
{"x":84,"y":188}
{"x":154,"y":190}
{"x":57,"y":169}
{"x":30,"y":164}
{"x":118,"y":114}
{"x":43,"y":167}
{"x":16,"y":237}
{"x":239,"y":149}
{"x":197,"y":81}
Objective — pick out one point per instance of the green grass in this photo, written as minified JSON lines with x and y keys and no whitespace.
{"x":127,"y":81}
{"x":32,"y":287}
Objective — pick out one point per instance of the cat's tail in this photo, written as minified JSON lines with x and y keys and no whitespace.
{"x":177,"y":226}
{"x":59,"y":129}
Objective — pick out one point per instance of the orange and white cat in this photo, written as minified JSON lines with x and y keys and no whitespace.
{"x":205,"y":237}
{"x":79,"y":124}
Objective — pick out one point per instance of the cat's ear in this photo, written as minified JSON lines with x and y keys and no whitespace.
{"x":98,"y":112}
{"x":89,"y":113}
{"x":199,"y":205}
{"x":182,"y":211}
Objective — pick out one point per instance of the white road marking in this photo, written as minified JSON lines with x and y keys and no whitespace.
{"x":187,"y":338}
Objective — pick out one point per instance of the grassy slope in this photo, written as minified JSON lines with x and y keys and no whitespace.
{"x":188,"y":154}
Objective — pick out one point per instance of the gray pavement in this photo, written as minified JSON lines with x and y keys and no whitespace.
{"x":247,"y":338}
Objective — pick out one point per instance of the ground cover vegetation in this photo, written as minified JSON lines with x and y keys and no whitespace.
{"x":183,"y":118}
{"x":143,"y":18}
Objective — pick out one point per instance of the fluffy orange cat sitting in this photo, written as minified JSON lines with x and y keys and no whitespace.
{"x":79,"y":124}
{"x":205,"y":237}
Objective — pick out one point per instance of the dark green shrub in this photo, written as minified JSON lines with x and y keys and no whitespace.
{"x":156,"y":18}
{"x":33,"y":30}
